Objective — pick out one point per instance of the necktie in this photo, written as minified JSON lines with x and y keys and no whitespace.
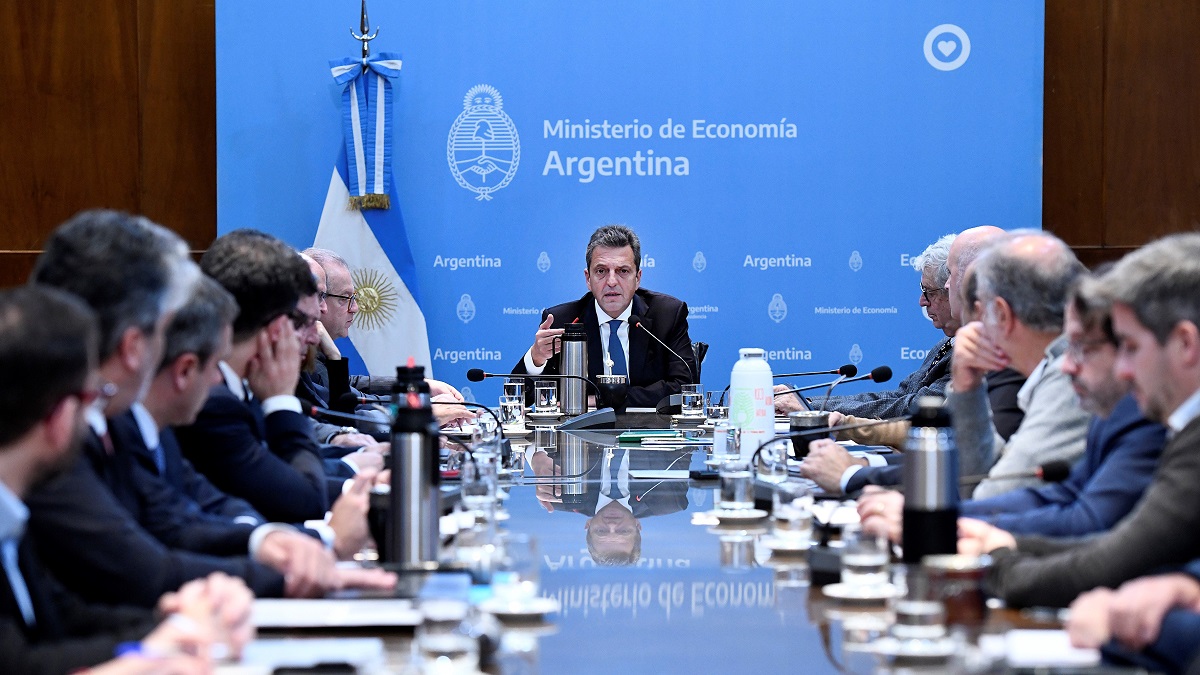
{"x":160,"y":460}
{"x":20,"y":591}
{"x":614,"y":491}
{"x":616,"y":352}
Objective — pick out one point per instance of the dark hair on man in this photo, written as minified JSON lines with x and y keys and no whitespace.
{"x":266,"y":277}
{"x":1091,"y":305}
{"x":1160,"y":282}
{"x":1034,"y":285}
{"x":616,"y":558}
{"x":48,"y":342}
{"x":127,"y":269}
{"x":615,"y":236}
{"x":196,"y":327}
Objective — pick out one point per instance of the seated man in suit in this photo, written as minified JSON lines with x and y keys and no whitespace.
{"x":197,"y":339}
{"x":43,"y":626}
{"x":251,"y":438}
{"x":1156,"y":318}
{"x":104,"y":533}
{"x":613,"y":276}
{"x":331,"y":373}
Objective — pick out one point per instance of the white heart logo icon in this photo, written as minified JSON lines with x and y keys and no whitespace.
{"x":946,"y":47}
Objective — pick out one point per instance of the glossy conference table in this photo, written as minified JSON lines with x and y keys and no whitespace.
{"x":699,"y":598}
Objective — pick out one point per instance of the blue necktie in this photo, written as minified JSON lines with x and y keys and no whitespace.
{"x":615,"y":351}
{"x":160,"y":459}
{"x":20,"y":591}
{"x":614,"y":476}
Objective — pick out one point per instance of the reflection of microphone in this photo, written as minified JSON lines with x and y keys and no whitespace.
{"x":1051,"y":472}
{"x":477,"y":375}
{"x":878,"y":374}
{"x":848,"y":370}
{"x":636,"y":321}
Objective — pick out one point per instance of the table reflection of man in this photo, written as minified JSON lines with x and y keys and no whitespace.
{"x":614,"y":502}
{"x":614,"y":275}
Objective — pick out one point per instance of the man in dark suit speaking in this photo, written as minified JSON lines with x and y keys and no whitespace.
{"x":613,"y":276}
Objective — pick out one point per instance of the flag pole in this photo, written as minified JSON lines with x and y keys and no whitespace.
{"x":362,"y":36}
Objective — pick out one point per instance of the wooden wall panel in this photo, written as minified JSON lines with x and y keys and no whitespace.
{"x":1151,"y":120}
{"x":177,"y":64}
{"x":68,"y":111}
{"x":1073,"y":143}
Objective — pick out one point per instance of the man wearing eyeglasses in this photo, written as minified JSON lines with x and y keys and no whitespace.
{"x":613,"y":275}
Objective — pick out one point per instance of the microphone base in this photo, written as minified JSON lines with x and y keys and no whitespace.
{"x":591,"y":420}
{"x":670,"y":405}
{"x":929,"y":533}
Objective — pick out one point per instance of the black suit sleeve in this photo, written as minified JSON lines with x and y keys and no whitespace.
{"x":665,"y":374}
{"x":283,"y":480}
{"x":169,"y":516}
{"x":888,"y":475}
{"x":91,"y":544}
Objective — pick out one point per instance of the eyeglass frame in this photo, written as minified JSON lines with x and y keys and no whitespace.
{"x":301,"y":320}
{"x":926,"y":291}
{"x":353,"y":297}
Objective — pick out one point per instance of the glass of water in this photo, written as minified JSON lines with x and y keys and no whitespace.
{"x":516,"y":577}
{"x":793,"y":517}
{"x":545,"y":396}
{"x":515,"y":386}
{"x":512,"y":411}
{"x":737,"y":485}
{"x":717,"y":410}
{"x":479,"y":479}
{"x":865,"y":558}
{"x":443,"y":641}
{"x":693,"y":400}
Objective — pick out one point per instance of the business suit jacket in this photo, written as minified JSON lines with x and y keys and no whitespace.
{"x":272,"y":463}
{"x":646,"y":497}
{"x":929,"y":379}
{"x":68,"y":633}
{"x":654,"y":373}
{"x":180,"y":475}
{"x":1160,"y":532}
{"x":82,"y":523}
{"x":1122,"y":452}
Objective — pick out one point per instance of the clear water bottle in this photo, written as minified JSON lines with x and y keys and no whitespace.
{"x":751,"y":400}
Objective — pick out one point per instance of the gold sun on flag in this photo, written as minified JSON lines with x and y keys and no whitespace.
{"x":376,"y":298}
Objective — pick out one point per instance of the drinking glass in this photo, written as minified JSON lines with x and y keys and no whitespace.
{"x":864,"y":558}
{"x":479,"y":479}
{"x":737,"y":485}
{"x":443,"y":641}
{"x":793,"y":518}
{"x":545,"y":396}
{"x":717,"y":410}
{"x":515,"y":386}
{"x":512,"y":411}
{"x":516,"y":577}
{"x":693,"y":400}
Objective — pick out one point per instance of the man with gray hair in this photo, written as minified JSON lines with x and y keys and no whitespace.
{"x":613,"y":276}
{"x":1022,"y":287}
{"x":930,"y":378}
{"x":1156,"y":319}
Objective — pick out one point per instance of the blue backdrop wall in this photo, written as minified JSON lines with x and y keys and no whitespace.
{"x":780,"y":160}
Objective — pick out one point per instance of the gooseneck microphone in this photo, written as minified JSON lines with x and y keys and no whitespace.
{"x":1051,"y":472}
{"x":478,"y":375}
{"x":848,"y":370}
{"x":636,"y":322}
{"x":879,"y":374}
{"x":809,"y":433}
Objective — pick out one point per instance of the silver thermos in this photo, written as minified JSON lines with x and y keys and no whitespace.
{"x":573,"y":460}
{"x":930,"y":483}
{"x":573,"y":392}
{"x":412,"y":537}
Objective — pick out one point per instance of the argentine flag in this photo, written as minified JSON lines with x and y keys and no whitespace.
{"x":389,"y":326}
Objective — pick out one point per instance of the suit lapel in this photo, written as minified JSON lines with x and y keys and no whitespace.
{"x":639,"y":342}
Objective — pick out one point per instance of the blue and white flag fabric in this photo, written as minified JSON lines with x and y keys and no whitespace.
{"x":389,"y":326}
{"x":367,"y":123}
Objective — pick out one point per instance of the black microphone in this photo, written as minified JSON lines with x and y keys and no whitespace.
{"x":468,"y":404}
{"x":636,"y":321}
{"x":477,"y":375}
{"x":879,"y":374}
{"x":350,"y":400}
{"x":1051,"y":472}
{"x":314,"y":411}
{"x":848,"y":370}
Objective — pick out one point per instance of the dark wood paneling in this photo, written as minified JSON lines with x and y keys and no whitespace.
{"x":177,"y":61}
{"x":1072,"y":149}
{"x":68,"y":111}
{"x":1151,"y":120}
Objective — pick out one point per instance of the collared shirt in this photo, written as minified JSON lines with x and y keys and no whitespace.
{"x":602,"y":318}
{"x":623,"y":333}
{"x":146,"y":425}
{"x":13,"y":515}
{"x":1053,"y":351}
{"x":95,"y":419}
{"x":1185,"y":413}
{"x":273,"y":404}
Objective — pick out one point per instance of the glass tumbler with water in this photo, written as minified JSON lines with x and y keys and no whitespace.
{"x":737,"y":485}
{"x":443,"y":641}
{"x":792,"y":513}
{"x":692,"y":400}
{"x":545,"y":396}
{"x":512,"y":411}
{"x":865,"y":558}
